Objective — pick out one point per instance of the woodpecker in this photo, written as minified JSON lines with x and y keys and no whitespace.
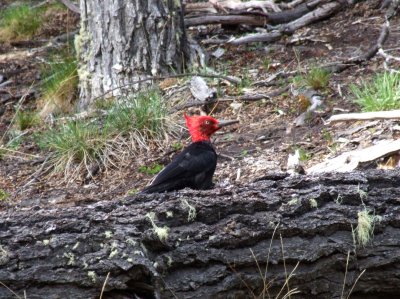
{"x":194,"y":167}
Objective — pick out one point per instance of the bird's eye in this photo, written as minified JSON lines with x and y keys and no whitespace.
{"x":207,"y":122}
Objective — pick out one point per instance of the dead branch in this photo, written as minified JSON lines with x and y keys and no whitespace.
{"x":226,"y":20}
{"x":71,"y":6}
{"x":319,"y":13}
{"x":214,"y":7}
{"x":345,"y":64}
{"x":394,"y":114}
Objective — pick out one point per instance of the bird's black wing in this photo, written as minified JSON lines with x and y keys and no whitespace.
{"x":193,"y":163}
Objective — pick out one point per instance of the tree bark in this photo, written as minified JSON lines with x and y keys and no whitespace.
{"x":212,"y":244}
{"x":123,"y":41}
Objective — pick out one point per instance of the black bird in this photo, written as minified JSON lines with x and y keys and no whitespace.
{"x":194,"y":167}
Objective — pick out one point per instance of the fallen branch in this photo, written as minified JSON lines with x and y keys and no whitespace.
{"x":227,"y":20}
{"x":393,"y":114}
{"x":319,"y":13}
{"x":71,"y":6}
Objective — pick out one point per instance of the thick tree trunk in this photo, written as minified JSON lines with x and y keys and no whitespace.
{"x":123,"y":41}
{"x":212,"y":244}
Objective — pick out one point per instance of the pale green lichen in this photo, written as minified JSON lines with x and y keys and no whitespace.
{"x":161,"y":232}
{"x":46,"y":242}
{"x":108,"y":234}
{"x":191,"y":209}
{"x":113,"y":253}
{"x":313,"y":203}
{"x":4,"y":255}
{"x":114,"y":249}
{"x":169,"y":214}
{"x":365,"y":227}
{"x":293,"y":202}
{"x":71,"y":258}
{"x":92,"y":275}
{"x":169,"y":261}
{"x":131,"y":242}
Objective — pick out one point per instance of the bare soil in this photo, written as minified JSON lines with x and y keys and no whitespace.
{"x":261,"y":142}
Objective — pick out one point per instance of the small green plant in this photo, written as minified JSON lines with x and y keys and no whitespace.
{"x":151,"y":170}
{"x":177,"y":146}
{"x":60,"y":84}
{"x":383,"y":93}
{"x":266,"y":62}
{"x":74,"y":143}
{"x":244,"y":153}
{"x":18,"y":23}
{"x":318,"y":78}
{"x":303,"y":154}
{"x":132,"y":191}
{"x":3,"y":195}
{"x":26,"y":119}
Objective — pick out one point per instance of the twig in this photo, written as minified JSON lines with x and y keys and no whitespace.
{"x":104,"y":285}
{"x":345,"y":274}
{"x":359,"y":276}
{"x":393,"y":114}
{"x":15,"y":294}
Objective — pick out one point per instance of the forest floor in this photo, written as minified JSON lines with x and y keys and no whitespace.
{"x":259,"y":144}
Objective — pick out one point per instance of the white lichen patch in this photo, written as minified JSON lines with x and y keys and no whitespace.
{"x":169,"y":214}
{"x":46,"y":242}
{"x":108,"y":234}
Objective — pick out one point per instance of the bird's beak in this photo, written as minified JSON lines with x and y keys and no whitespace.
{"x":224,"y":123}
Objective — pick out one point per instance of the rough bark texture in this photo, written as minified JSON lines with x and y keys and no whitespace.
{"x":215,"y":242}
{"x":123,"y":41}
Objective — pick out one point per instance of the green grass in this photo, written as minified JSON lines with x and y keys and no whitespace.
{"x":143,"y":114}
{"x":18,"y":23}
{"x":382,"y":93}
{"x":74,"y":144}
{"x":26,"y":119}
{"x":130,"y":126}
{"x":60,"y":84}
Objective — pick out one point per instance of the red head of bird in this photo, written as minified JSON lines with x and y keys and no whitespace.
{"x":201,"y":127}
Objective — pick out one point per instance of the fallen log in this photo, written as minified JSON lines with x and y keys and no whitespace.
{"x":276,"y":236}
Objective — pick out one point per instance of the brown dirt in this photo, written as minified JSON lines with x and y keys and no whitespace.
{"x":259,"y":144}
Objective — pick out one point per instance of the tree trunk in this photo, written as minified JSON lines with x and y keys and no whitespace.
{"x":213,"y":244}
{"x":123,"y":41}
